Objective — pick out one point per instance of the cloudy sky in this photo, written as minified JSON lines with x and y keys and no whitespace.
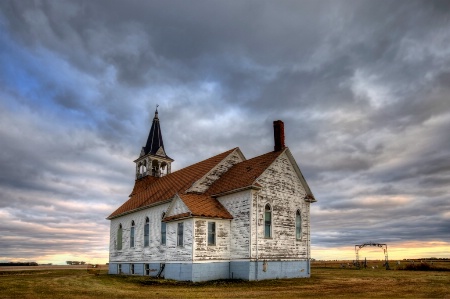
{"x":362,"y":86}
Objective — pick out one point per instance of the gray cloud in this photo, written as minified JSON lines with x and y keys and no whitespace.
{"x":362,"y":89}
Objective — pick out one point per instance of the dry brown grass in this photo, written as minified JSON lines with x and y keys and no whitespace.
{"x":325,"y":282}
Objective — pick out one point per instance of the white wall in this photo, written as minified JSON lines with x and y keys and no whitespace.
{"x":219,"y":251}
{"x":283,"y":190}
{"x":238,"y":204}
{"x":155,"y":252}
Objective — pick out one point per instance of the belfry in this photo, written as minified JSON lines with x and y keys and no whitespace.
{"x":153,"y":160}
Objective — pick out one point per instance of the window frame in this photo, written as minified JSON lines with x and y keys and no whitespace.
{"x":132,"y":234}
{"x":119,"y":241}
{"x":132,"y":270}
{"x":298,"y":225}
{"x":163,"y":232}
{"x":268,"y":224}
{"x":211,"y":232}
{"x":147,"y":232}
{"x":119,"y":268}
{"x":180,"y":234}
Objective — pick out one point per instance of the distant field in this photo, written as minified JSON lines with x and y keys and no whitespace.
{"x":328,"y":280}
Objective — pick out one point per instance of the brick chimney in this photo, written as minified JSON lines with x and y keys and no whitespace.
{"x":278,"y":134}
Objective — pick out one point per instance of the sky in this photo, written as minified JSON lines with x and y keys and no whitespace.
{"x":363,"y":88}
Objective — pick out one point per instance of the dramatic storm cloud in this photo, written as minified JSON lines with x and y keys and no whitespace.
{"x":362,"y":86}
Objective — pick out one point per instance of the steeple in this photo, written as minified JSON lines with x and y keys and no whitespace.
{"x":153,"y":159}
{"x":154,"y":140}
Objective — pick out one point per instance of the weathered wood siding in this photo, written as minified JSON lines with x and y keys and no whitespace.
{"x":177,"y":207}
{"x":219,"y":251}
{"x":203,"y":184}
{"x":284,"y":192}
{"x":155,"y":252}
{"x":238,"y":204}
{"x":179,"y":253}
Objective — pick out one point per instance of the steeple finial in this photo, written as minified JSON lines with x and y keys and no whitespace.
{"x":156,"y":112}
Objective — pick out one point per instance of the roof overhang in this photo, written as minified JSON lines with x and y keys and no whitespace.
{"x":140,"y":208}
{"x":254,"y":186}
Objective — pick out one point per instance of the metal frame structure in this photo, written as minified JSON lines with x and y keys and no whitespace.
{"x":382,"y":246}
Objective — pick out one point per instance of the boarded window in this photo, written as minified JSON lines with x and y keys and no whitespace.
{"x":180,"y":233}
{"x":267,"y":221}
{"x":298,"y":225}
{"x":119,"y":238}
{"x":163,"y":231}
{"x":211,"y":233}
{"x":147,"y":232}
{"x":132,"y":235}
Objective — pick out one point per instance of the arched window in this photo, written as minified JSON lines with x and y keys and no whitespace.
{"x":267,"y":221}
{"x":119,"y":238}
{"x":147,"y":232}
{"x":163,"y":230}
{"x":132,"y":234}
{"x":180,"y":234}
{"x":298,"y":225}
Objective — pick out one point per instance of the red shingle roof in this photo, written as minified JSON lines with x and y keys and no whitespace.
{"x":148,"y":190}
{"x":243,"y":174}
{"x":205,"y":206}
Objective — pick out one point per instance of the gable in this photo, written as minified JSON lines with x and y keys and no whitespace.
{"x":161,"y":152}
{"x":177,"y":207}
{"x":310,"y":196}
{"x":215,"y":173}
{"x":196,"y":205}
{"x":284,"y":175}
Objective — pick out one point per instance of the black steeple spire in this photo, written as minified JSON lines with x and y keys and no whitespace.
{"x":153,"y":160}
{"x":155,"y":140}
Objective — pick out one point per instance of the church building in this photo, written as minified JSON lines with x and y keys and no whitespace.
{"x":226,"y":217}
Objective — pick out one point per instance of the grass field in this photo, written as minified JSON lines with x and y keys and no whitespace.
{"x":328,"y":280}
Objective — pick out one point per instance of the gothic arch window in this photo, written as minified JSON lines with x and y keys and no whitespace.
{"x":298,"y":225}
{"x":163,"y":230}
{"x":119,"y":237}
{"x":267,"y":221}
{"x":132,"y":234}
{"x":180,"y":234}
{"x":147,"y":232}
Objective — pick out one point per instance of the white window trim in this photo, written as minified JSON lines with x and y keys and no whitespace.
{"x":271,"y":221}
{"x":178,"y":234}
{"x":301,"y":223}
{"x":215,"y":233}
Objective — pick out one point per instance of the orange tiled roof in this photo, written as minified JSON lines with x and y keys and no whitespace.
{"x":205,"y":206}
{"x":243,"y":174}
{"x":201,"y":206}
{"x":148,"y":191}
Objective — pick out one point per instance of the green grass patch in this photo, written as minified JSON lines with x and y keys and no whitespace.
{"x":324,"y":283}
